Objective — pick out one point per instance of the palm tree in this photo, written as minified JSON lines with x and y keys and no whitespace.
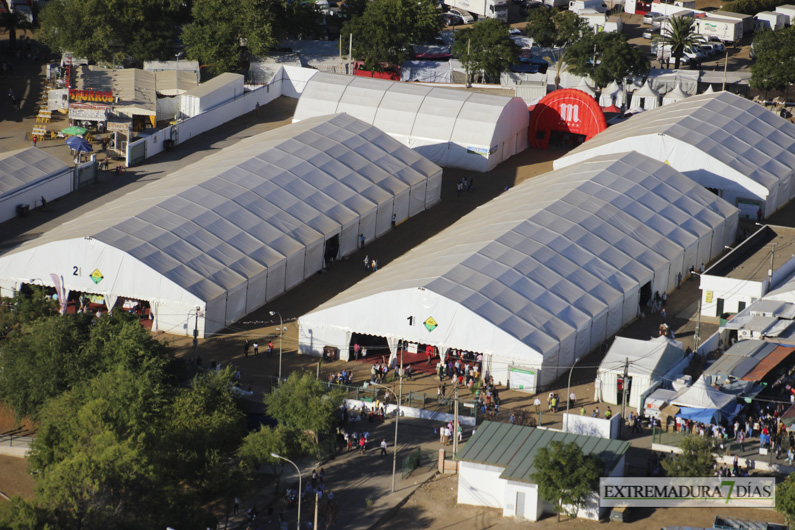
{"x":12,"y":22}
{"x":557,"y":59}
{"x":679,"y":35}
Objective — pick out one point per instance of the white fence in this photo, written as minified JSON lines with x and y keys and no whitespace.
{"x":289,"y":81}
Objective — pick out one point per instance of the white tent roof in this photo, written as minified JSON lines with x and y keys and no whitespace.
{"x":647,"y":358}
{"x":677,"y":94}
{"x":700,"y":395}
{"x":134,"y":88}
{"x":608,"y":93}
{"x":23,"y":167}
{"x":585,"y":87}
{"x":256,"y":213}
{"x":646,"y":91}
{"x":542,"y":273}
{"x":720,"y":140}
{"x":453,"y":128}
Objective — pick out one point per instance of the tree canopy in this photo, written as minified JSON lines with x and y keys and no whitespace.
{"x":565,"y":476}
{"x":785,"y":499}
{"x":113,"y":31}
{"x":550,"y":27}
{"x":385,"y":34}
{"x":606,"y":57}
{"x":774,"y":67}
{"x":485,"y":47}
{"x":696,"y":459}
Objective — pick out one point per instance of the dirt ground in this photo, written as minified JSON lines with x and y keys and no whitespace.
{"x":15,"y":479}
{"x":433,"y":507}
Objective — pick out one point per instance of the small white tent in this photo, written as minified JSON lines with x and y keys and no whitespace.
{"x":542,"y":274}
{"x":647,"y":362}
{"x":452,"y":128}
{"x":738,"y":149}
{"x":700,"y":395}
{"x":223,"y":236}
{"x":610,"y":95}
{"x":677,"y":94}
{"x":645,"y":97}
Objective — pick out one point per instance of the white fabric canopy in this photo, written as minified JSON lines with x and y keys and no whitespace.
{"x":646,"y":97}
{"x":543,"y":273}
{"x":648,"y":361}
{"x":677,"y":94}
{"x":700,"y":395}
{"x":452,"y":128}
{"x":235,"y":230}
{"x":722,"y":141}
{"x":585,"y":87}
{"x":610,"y":94}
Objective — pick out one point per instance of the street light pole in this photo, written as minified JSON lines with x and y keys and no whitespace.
{"x":298,"y":517}
{"x":281,"y":334}
{"x":397,"y":420}
{"x":196,"y":336}
{"x":568,"y":393}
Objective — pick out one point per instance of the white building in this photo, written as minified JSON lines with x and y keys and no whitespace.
{"x":540,"y":275}
{"x":496,"y":468}
{"x":223,"y":236}
{"x":732,"y":146}
{"x":452,"y":128}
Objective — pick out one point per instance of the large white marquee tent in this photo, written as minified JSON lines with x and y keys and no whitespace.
{"x":224,"y":235}
{"x":28,"y":174}
{"x":540,"y":275}
{"x":452,"y":128}
{"x":722,"y":141}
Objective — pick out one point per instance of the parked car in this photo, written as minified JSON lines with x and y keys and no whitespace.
{"x":649,"y":18}
{"x":650,"y":33}
{"x":450,"y":19}
{"x":526,"y":6}
{"x":708,"y":48}
{"x":466,"y":16}
{"x":717,"y":45}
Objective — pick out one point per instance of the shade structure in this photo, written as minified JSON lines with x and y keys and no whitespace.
{"x":540,"y":275}
{"x":737,"y":148}
{"x":452,"y":128}
{"x":677,"y":94}
{"x":609,"y":95}
{"x":585,"y":87}
{"x":226,"y":234}
{"x":646,"y":97}
{"x":28,"y":174}
{"x":647,"y":361}
{"x":702,"y":396}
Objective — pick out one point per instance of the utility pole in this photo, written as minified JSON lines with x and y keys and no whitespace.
{"x":316,"y":503}
{"x":350,"y":55}
{"x":624,"y":391}
{"x":397,"y":420}
{"x":725,"y":68}
{"x":455,"y":422}
{"x":770,"y":271}
{"x":196,"y":337}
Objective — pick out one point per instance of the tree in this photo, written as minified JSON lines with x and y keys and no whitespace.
{"x":785,"y":499}
{"x":606,"y":57}
{"x":304,"y":405}
{"x":11,"y":23}
{"x":351,"y":9}
{"x":485,"y":47}
{"x":282,"y":440}
{"x":696,"y":459}
{"x":774,"y":67}
{"x":565,"y":476}
{"x":112,"y":31}
{"x":384,"y":35}
{"x":550,"y":27}
{"x":26,"y":307}
{"x":679,"y":35}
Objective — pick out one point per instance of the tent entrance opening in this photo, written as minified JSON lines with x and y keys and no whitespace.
{"x":645,"y":294}
{"x":332,"y":249}
{"x":620,"y":381}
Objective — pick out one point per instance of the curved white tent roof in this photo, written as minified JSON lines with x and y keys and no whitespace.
{"x":722,"y":141}
{"x":543,"y":273}
{"x":452,"y":128}
{"x":677,"y":94}
{"x":27,"y":174}
{"x":238,"y":228}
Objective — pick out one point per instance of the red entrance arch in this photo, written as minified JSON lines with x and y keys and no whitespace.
{"x":566,"y":110}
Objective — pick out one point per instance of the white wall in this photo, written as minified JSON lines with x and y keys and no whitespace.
{"x":610,"y":429}
{"x":413,"y":412}
{"x":480,"y":485}
{"x":533,"y":504}
{"x":731,"y":290}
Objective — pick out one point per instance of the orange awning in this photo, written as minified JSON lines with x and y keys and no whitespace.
{"x":768,"y":363}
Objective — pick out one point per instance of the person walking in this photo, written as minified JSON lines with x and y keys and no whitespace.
{"x":246,"y":348}
{"x":256,"y":348}
{"x":383,"y":447}
{"x":43,"y":204}
{"x":362,"y":239}
{"x":35,"y":140}
{"x":367,"y":263}
{"x":394,"y":217}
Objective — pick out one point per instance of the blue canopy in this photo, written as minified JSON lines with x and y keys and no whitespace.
{"x":699,"y":415}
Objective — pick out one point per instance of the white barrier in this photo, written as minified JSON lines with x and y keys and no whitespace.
{"x":601,"y":427}
{"x":411,"y":412}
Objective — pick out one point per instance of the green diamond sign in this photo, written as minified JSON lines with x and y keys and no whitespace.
{"x":97,"y":276}
{"x":430,"y":324}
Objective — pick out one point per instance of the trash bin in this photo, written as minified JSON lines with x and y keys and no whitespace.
{"x":168,"y":144}
{"x":619,"y":514}
{"x":23,"y":209}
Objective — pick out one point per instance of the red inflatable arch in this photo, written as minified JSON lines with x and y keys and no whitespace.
{"x":567,"y":110}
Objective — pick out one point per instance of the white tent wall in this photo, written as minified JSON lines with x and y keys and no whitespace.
{"x":28,"y":174}
{"x":256,"y":291}
{"x":385,"y":315}
{"x":417,"y":198}
{"x":235,"y":303}
{"x":52,"y":188}
{"x":383,"y":220}
{"x":433,"y":189}
{"x":453,"y":128}
{"x":313,"y":261}
{"x":401,"y":206}
{"x":277,"y":279}
{"x":349,"y":238}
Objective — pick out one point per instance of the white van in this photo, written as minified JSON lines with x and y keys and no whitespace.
{"x":466,"y":16}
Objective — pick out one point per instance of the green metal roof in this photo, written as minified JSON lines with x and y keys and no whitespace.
{"x":514,"y":447}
